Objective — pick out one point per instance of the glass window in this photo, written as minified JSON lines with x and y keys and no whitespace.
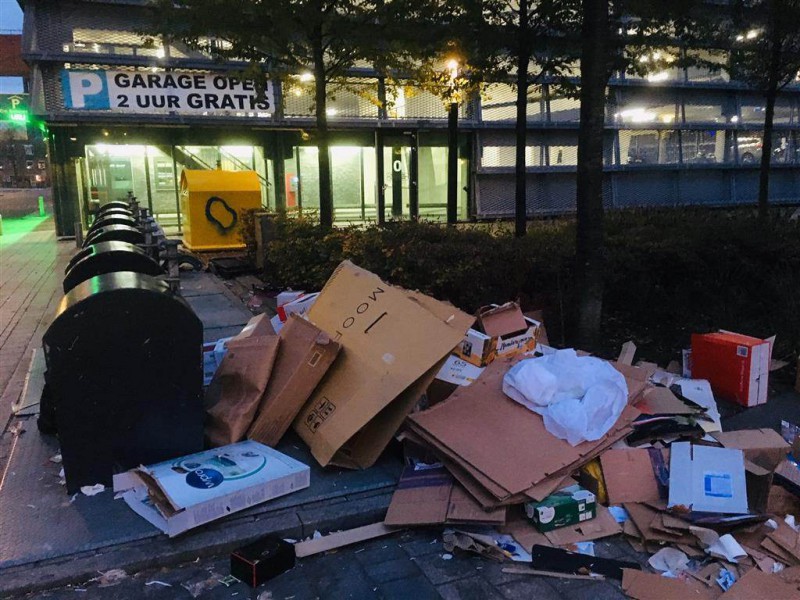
{"x":562,"y":108}
{"x":711,"y":67}
{"x":645,"y":105}
{"x":499,"y":103}
{"x":656,"y":66}
{"x":753,"y":109}
{"x":707,"y":147}
{"x":505,"y":156}
{"x":648,"y":147}
{"x":562,"y":149}
{"x":749,"y":144}
{"x":709,"y":107}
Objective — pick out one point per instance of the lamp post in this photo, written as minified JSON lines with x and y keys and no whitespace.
{"x":452,"y":144}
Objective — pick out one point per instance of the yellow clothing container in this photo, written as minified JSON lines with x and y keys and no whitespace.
{"x":212,"y":205}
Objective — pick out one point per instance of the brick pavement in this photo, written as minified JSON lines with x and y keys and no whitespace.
{"x":32,"y":266}
{"x":409,"y":565}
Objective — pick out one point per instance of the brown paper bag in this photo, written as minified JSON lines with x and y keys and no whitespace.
{"x":235,"y":391}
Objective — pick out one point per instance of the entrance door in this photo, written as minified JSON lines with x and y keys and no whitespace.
{"x":400,"y":168}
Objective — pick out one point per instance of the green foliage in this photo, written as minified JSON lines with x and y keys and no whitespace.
{"x":668,"y":273}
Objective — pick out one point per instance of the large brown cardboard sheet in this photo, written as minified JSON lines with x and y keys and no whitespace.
{"x":392,"y":340}
{"x":764,"y":447}
{"x":648,"y":586}
{"x":498,"y":437}
{"x":629,"y":476}
{"x":306,"y":353}
{"x":603,"y":525}
{"x":756,"y":584}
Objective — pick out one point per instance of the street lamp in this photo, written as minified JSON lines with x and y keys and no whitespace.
{"x":452,"y":143}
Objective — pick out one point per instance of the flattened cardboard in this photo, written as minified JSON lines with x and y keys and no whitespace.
{"x":707,"y":479}
{"x":661,"y":401}
{"x":431,"y":497}
{"x":478,"y":425}
{"x":306,"y":354}
{"x":647,"y":586}
{"x":393,"y":342}
{"x":629,"y":476}
{"x":764,"y":447}
{"x":603,"y":525}
{"x":756,"y":584}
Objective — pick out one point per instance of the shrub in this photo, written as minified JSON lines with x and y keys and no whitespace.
{"x":668,"y":273}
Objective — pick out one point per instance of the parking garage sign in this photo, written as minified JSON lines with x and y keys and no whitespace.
{"x":164,"y":93}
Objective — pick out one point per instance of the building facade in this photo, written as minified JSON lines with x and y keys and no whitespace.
{"x":127,"y":114}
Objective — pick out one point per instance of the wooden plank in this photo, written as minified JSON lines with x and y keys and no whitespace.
{"x":341,"y":538}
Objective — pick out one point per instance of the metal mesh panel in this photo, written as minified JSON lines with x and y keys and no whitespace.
{"x":708,"y":106}
{"x":356,"y":99}
{"x":498,"y":103}
{"x":745,"y":188}
{"x":648,"y":147}
{"x":647,"y":189}
{"x":710,"y":187}
{"x":409,"y":102}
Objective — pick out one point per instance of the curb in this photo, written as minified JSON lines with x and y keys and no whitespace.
{"x":219,"y":538}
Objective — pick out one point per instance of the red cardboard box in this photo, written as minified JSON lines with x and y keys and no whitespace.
{"x":736,"y":366}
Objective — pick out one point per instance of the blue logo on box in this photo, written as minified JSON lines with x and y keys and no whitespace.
{"x":204,"y":479}
{"x":718,"y":485}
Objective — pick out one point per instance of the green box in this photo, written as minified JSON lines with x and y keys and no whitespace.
{"x":569,"y":506}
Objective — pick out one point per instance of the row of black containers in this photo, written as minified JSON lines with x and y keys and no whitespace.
{"x":123,"y":385}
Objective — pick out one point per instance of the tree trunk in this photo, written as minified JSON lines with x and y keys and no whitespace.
{"x":589,"y":236}
{"x":324,"y":158}
{"x":520,"y":176}
{"x":766,"y":155}
{"x":771,"y":95}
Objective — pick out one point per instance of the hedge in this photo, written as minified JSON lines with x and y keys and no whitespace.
{"x":668,"y":273}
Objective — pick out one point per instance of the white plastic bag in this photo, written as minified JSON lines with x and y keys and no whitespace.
{"x":580,"y":398}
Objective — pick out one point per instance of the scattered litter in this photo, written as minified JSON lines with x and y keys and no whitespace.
{"x":112,"y":577}
{"x":92,"y":490}
{"x":31,"y":506}
{"x":620,"y":514}
{"x":586,"y":548}
{"x":198,"y":588}
{"x":726,"y":579}
{"x":316,"y":535}
{"x":56,"y":458}
{"x":669,"y":559}
{"x":447,"y":556}
{"x":157,"y":582}
{"x":229,"y":580}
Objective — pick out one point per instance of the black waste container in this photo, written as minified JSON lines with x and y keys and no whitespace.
{"x":124,"y":377}
{"x":114,"y":233}
{"x":112,"y":219}
{"x":108,"y":257}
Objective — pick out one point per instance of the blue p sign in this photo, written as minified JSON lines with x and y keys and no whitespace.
{"x":86,"y":90}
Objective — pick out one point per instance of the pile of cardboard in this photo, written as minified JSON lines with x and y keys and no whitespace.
{"x":362,"y":362}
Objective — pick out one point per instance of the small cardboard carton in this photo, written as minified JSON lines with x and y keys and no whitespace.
{"x":707,"y":479}
{"x":306,"y":354}
{"x":568,"y":506}
{"x":476,"y":348}
{"x":737,"y":366}
{"x":458,"y":371}
{"x":184,"y":493}
{"x":257,"y":326}
{"x":393,"y":344}
{"x":515,"y":333}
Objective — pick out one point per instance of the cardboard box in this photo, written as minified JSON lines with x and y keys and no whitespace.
{"x":306,"y":354}
{"x":515,"y":333}
{"x":393,"y":344}
{"x":476,"y":348}
{"x":737,"y":366}
{"x":764,"y":447}
{"x":568,"y":506}
{"x":262,"y":560}
{"x":184,"y":493}
{"x":458,"y":371}
{"x":257,"y":326}
{"x":630,"y":475}
{"x":707,"y":479}
{"x":299,"y":306}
